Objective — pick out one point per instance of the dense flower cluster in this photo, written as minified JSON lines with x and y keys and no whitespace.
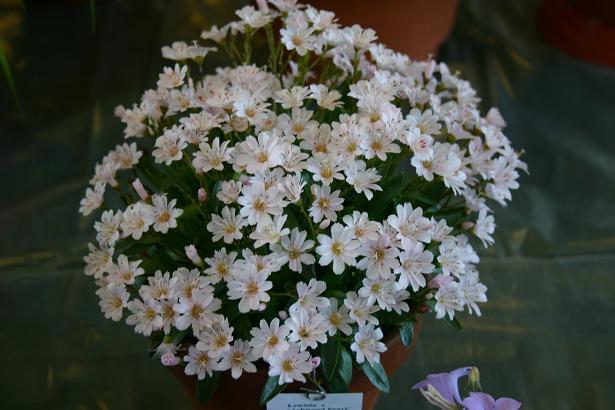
{"x":329,"y":193}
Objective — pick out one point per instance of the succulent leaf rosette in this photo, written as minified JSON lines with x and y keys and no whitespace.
{"x":299,"y":207}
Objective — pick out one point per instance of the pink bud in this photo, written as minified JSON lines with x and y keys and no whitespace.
{"x":119,"y":111}
{"x":439,"y":281}
{"x":262,"y":6}
{"x":169,"y":359}
{"x":140,"y":189}
{"x":193,"y":255}
{"x":315,"y":361}
{"x":467,"y":225}
{"x":202,"y":194}
{"x":324,"y":224}
{"x":245,"y":180}
{"x":283,"y":315}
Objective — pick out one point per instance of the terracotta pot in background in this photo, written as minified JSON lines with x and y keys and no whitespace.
{"x":413,"y":27}
{"x":245,"y":392}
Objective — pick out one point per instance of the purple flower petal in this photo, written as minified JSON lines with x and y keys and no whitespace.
{"x":479,"y":401}
{"x":445,"y":383}
{"x":504,"y":403}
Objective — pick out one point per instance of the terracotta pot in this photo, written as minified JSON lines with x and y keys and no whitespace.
{"x":413,"y":27}
{"x":245,"y":392}
{"x":584,"y":29}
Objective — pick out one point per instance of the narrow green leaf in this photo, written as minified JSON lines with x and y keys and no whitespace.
{"x":340,"y":383}
{"x":406,"y":331}
{"x":270,"y":390}
{"x":377,"y":375}
{"x":206,"y":388}
{"x":330,"y":355}
{"x":6,"y":69}
{"x":93,"y":15}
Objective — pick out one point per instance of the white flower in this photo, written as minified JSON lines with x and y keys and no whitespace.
{"x":340,"y":248}
{"x":473,"y":291}
{"x":195,"y":311}
{"x":326,"y":203}
{"x":325,"y":167}
{"x":361,"y":226}
{"x":216,"y":339}
{"x":367,"y":344}
{"x":484,"y":228}
{"x":379,"y":290}
{"x":337,"y":319}
{"x":292,"y":187}
{"x":379,"y":257}
{"x":211,"y":156}
{"x":113,"y":300}
{"x":379,"y":144}
{"x":160,"y":287}
{"x":93,"y":199}
{"x":227,"y":226}
{"x":229,"y":191}
{"x":307,"y":330}
{"x":269,"y":340}
{"x":293,"y":250}
{"x":127,"y":155}
{"x":108,"y":228}
{"x":329,"y":100}
{"x":290,"y":365}
{"x":125,"y":272}
{"x":169,"y":146}
{"x":252,"y":17}
{"x":410,"y":224}
{"x":250,"y":107}
{"x":363,"y":180}
{"x":258,"y":204}
{"x":415,"y":263}
{"x":293,"y":97}
{"x":309,"y":298}
{"x":136,"y":220}
{"x":164,"y":213}
{"x":260,"y":155}
{"x":99,"y":261}
{"x":298,"y":37}
{"x":250,"y":287}
{"x":220,"y":266}
{"x":449,"y":298}
{"x":172,"y":77}
{"x":189,"y":282}
{"x":451,"y":258}
{"x":361,"y":311}
{"x":270,"y":232}
{"x":145,"y":316}
{"x":238,"y":359}
{"x":199,"y":363}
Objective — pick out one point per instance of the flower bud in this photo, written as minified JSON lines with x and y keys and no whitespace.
{"x":193,"y":255}
{"x":283,"y":315}
{"x":262,"y":307}
{"x":324,"y":224}
{"x":474,"y":380}
{"x":119,"y":111}
{"x":140,"y":189}
{"x":467,"y":225}
{"x":169,"y":359}
{"x":262,"y":6}
{"x":315,"y":361}
{"x":202,"y":195}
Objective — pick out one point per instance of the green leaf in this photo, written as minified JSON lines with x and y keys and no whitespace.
{"x":6,"y":69}
{"x":376,"y":374}
{"x":270,"y":390}
{"x":330,"y":355}
{"x":206,"y":388}
{"x":406,"y":331}
{"x":340,"y":381}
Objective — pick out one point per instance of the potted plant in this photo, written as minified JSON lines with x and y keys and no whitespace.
{"x":287,"y":223}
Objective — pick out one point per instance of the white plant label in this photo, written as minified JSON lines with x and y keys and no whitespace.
{"x":333,"y":401}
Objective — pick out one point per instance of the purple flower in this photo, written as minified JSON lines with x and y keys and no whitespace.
{"x":483,"y":401}
{"x":445,"y":384}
